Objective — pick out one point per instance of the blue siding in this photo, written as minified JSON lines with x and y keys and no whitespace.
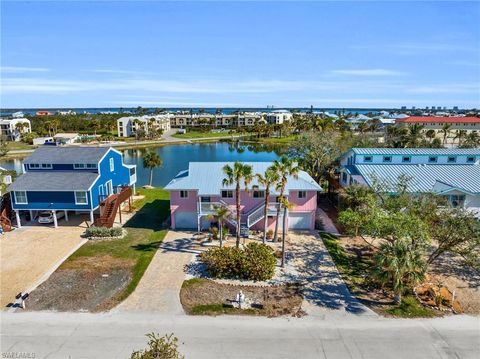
{"x":50,"y":200}
{"x":66,"y":200}
{"x":120,"y":175}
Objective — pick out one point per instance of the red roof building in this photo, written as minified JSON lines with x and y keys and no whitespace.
{"x":428,"y":120}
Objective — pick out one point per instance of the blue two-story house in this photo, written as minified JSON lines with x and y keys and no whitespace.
{"x":75,"y":179}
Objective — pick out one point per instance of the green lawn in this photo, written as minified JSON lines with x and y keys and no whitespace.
{"x":201,"y":134}
{"x":145,"y":233}
{"x":277,"y":140}
{"x":14,"y":146}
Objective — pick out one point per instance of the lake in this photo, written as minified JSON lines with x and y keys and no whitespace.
{"x":176,"y":158}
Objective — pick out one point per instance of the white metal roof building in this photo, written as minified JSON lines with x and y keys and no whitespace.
{"x":454,"y":173}
{"x":207,"y":177}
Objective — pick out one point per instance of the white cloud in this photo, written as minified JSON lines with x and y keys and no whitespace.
{"x":446,"y":89}
{"x":17,"y":69}
{"x":368,"y":72}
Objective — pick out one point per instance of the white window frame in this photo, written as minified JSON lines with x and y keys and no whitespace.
{"x":108,"y":186}
{"x":302,"y":194}
{"x":46,"y":166}
{"x":228,"y":192}
{"x":112,"y":164}
{"x":86,"y":197}
{"x":34,"y":166}
{"x":79,"y":166}
{"x":183,"y":194}
{"x":26,"y":198}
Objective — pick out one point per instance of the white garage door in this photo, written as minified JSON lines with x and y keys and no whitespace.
{"x":186,"y":220}
{"x":299,"y":220}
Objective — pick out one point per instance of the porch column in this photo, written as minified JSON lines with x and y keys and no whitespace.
{"x":198,"y":223}
{"x":55,"y":221}
{"x":17,"y":216}
{"x":92,"y":219}
{"x":66,"y":216}
{"x":31,"y":215}
{"x":120,"y":212}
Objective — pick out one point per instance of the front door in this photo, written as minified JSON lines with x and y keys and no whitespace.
{"x":109,"y":188}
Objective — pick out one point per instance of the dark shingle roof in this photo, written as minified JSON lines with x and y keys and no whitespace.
{"x":67,"y":155}
{"x":54,"y":181}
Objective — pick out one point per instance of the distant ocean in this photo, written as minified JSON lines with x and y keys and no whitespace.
{"x":94,"y":110}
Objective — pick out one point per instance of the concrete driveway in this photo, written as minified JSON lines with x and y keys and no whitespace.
{"x":159,"y":288}
{"x":29,"y":255}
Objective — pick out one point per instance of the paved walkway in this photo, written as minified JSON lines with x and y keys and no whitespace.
{"x":328,"y":225}
{"x":324,"y":288}
{"x":30,"y":254}
{"x":159,"y":288}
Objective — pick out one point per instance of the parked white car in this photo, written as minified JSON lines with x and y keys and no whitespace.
{"x":47,"y":217}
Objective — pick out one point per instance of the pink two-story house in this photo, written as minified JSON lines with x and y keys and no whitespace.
{"x":197,"y":191}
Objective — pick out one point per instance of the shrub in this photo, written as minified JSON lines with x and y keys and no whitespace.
{"x":269,"y":234}
{"x":165,"y":347}
{"x":255,"y":262}
{"x":103,"y":232}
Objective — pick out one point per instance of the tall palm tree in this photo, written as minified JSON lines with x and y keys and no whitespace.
{"x":286,"y":206}
{"x":236,"y":175}
{"x":221,"y":214}
{"x":362,"y":127}
{"x":460,"y":135}
{"x":446,"y":131}
{"x":151,"y":160}
{"x":285,"y":167}
{"x":269,"y":179}
{"x":414,"y":134}
{"x":137,"y":123}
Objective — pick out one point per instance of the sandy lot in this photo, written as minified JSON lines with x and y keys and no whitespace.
{"x":28,"y":255}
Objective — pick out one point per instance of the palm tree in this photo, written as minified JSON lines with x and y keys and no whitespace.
{"x":151,"y":160}
{"x":400,"y":265}
{"x":221,"y":214}
{"x":460,"y":135}
{"x":430,"y":134}
{"x":269,"y":179}
{"x":236,"y":175}
{"x":137,"y":123}
{"x":446,"y":131}
{"x":362,"y":127}
{"x":414,"y":134}
{"x":285,"y":167}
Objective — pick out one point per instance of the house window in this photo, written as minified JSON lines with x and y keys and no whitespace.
{"x":91,"y":165}
{"x":33,"y":166}
{"x":227,"y":194}
{"x":387,"y":158}
{"x":407,"y":159}
{"x":20,"y":197}
{"x":302,"y":194}
{"x":183,"y":194}
{"x":258,"y":194}
{"x":79,"y":166}
{"x":132,"y":171}
{"x":432,"y":159}
{"x":112,"y":165}
{"x":81,"y":197}
{"x":367,"y":158}
{"x":451,"y":159}
{"x":46,"y":165}
{"x":456,"y":200}
{"x":470,"y":159}
{"x":205,"y":199}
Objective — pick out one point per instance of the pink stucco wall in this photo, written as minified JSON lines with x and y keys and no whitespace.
{"x":306,"y":205}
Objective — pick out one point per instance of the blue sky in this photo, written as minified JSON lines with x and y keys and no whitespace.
{"x":228,"y":54}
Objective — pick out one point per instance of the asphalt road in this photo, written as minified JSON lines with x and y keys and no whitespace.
{"x":67,"y":335}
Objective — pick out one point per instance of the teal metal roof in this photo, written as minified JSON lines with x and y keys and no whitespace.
{"x":423,"y":177}
{"x":207,"y":177}
{"x":417,"y":151}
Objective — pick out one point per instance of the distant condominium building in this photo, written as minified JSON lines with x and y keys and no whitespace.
{"x":128,"y":126}
{"x":13,"y":128}
{"x":218,"y":120}
{"x":446,"y":128}
{"x":453,"y":173}
{"x":278,"y":117}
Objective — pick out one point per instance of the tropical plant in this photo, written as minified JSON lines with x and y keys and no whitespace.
{"x":269,"y":179}
{"x":221,"y":214}
{"x":151,"y":160}
{"x":446,"y":131}
{"x":235,"y":176}
{"x":430,"y":134}
{"x":285,"y":168}
{"x":399,"y":265}
{"x":165,"y":347}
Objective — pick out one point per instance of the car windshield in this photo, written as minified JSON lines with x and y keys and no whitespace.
{"x":45,"y":214}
